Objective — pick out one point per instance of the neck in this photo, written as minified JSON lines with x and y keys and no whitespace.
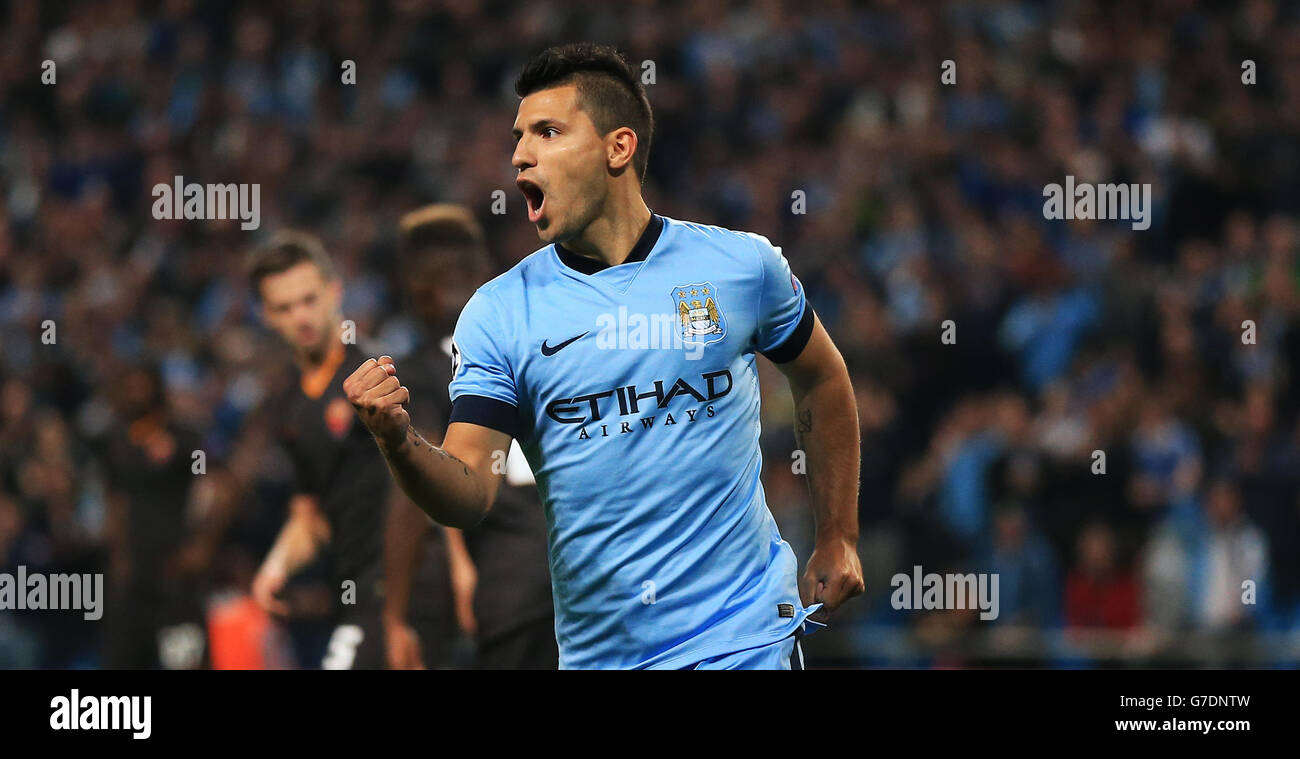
{"x":611,"y":236}
{"x":312,"y":359}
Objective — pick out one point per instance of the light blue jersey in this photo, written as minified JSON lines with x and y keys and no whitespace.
{"x":633,"y":392}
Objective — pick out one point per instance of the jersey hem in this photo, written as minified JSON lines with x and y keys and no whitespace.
{"x":735,"y":645}
{"x":730,"y":646}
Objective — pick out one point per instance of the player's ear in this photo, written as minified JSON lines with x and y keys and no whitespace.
{"x":620,"y":146}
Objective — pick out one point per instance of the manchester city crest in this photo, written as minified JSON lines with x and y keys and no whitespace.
{"x":699,"y":315}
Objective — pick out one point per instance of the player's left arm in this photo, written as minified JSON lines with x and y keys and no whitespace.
{"x":405,"y":529}
{"x":826,"y":429}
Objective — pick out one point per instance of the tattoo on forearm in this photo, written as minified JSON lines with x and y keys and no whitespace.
{"x":446,"y":455}
{"x":805,"y":422}
{"x":420,"y":442}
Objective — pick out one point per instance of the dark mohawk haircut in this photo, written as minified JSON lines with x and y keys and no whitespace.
{"x":609,"y":90}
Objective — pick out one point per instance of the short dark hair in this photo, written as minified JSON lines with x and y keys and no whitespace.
{"x":442,"y":227}
{"x":609,"y":90}
{"x":285,"y":250}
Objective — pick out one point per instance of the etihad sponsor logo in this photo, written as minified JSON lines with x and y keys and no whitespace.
{"x":643,"y":402}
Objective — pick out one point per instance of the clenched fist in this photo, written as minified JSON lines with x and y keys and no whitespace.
{"x":380,"y":398}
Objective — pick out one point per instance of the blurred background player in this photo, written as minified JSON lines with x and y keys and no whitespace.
{"x":342,"y":487}
{"x":164,"y":524}
{"x":499,"y":567}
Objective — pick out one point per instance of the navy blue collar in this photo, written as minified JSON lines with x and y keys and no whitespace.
{"x":644,"y":245}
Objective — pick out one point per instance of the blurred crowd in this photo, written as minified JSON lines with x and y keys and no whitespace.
{"x":1106,"y":418}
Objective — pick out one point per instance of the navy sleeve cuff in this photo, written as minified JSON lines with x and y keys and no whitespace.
{"x":794,"y":344}
{"x":485,"y":412}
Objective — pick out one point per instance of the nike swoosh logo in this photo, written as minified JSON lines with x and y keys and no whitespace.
{"x":551,"y":350}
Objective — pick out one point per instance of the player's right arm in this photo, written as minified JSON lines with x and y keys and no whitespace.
{"x":454,"y":484}
{"x":299,"y":541}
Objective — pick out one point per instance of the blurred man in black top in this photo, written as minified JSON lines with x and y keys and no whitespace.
{"x":341,"y":488}
{"x":163,"y":528}
{"x":443,"y":259}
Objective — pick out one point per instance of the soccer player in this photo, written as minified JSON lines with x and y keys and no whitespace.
{"x":165,"y":524}
{"x":341,"y":486}
{"x":507,"y":606}
{"x":663,"y":552}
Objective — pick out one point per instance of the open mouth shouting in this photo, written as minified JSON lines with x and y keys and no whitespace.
{"x":534,"y":195}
